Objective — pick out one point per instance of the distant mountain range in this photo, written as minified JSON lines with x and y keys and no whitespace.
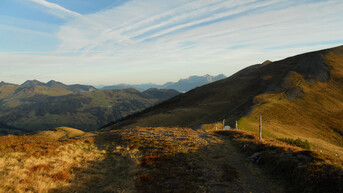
{"x":35,"y":105}
{"x":55,"y":84}
{"x":182,"y":85}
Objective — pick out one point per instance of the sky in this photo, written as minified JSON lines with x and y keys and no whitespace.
{"x":106,"y":42}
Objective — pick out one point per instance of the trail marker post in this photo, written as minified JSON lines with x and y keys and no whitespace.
{"x":260,"y":127}
{"x":236,"y":126}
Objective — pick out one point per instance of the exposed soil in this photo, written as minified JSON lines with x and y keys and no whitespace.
{"x":251,"y":178}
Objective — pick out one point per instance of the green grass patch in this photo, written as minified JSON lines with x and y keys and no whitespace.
{"x":296,"y":142}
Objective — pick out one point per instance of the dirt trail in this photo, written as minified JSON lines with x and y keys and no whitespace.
{"x":227,"y":170}
{"x":251,"y":178}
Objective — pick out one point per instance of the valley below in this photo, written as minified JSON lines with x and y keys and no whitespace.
{"x":40,"y":107}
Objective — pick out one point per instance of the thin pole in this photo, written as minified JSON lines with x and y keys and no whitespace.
{"x":260,"y":127}
{"x":223,"y":124}
{"x":236,"y":126}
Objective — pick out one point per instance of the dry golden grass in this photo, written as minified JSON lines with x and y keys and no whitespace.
{"x":166,"y":140}
{"x":49,"y":164}
{"x":62,"y":132}
{"x":20,"y":173}
{"x":118,"y":161}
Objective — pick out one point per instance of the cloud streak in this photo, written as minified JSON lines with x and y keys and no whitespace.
{"x":56,"y":9}
{"x":155,"y":41}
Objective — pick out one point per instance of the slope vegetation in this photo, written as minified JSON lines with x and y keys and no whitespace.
{"x":300,"y":96}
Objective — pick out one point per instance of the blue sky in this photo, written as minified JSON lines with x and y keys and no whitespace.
{"x":135,"y":41}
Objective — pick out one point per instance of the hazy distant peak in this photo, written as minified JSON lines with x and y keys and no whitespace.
{"x":206,"y":77}
{"x":192,"y":82}
{"x":53,"y":83}
{"x":182,"y":85}
{"x":220,"y":76}
{"x":2,"y":83}
{"x":56,"y":84}
{"x":33,"y":83}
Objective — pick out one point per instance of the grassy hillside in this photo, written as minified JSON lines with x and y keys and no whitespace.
{"x":7,"y":90}
{"x":300,"y":96}
{"x":309,"y":109}
{"x":42,"y":107}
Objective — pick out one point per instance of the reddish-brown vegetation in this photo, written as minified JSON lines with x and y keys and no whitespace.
{"x":60,"y":176}
{"x":40,"y":167}
{"x":31,"y":145}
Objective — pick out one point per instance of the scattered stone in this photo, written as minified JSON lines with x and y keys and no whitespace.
{"x":303,"y":158}
{"x":295,"y":93}
{"x":255,"y":158}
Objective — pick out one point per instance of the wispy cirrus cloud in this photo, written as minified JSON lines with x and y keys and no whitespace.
{"x":56,"y":9}
{"x":155,"y":41}
{"x":199,"y":21}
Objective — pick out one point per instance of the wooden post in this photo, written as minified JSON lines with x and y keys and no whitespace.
{"x":236,"y":126}
{"x":260,"y":127}
{"x":223,"y":124}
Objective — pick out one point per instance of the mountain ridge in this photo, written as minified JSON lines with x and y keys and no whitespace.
{"x":279,"y":91}
{"x":182,"y":85}
{"x":56,"y":84}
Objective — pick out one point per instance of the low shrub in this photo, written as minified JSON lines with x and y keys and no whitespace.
{"x":296,"y":142}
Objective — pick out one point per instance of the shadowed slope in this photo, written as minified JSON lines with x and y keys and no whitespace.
{"x":7,"y":129}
